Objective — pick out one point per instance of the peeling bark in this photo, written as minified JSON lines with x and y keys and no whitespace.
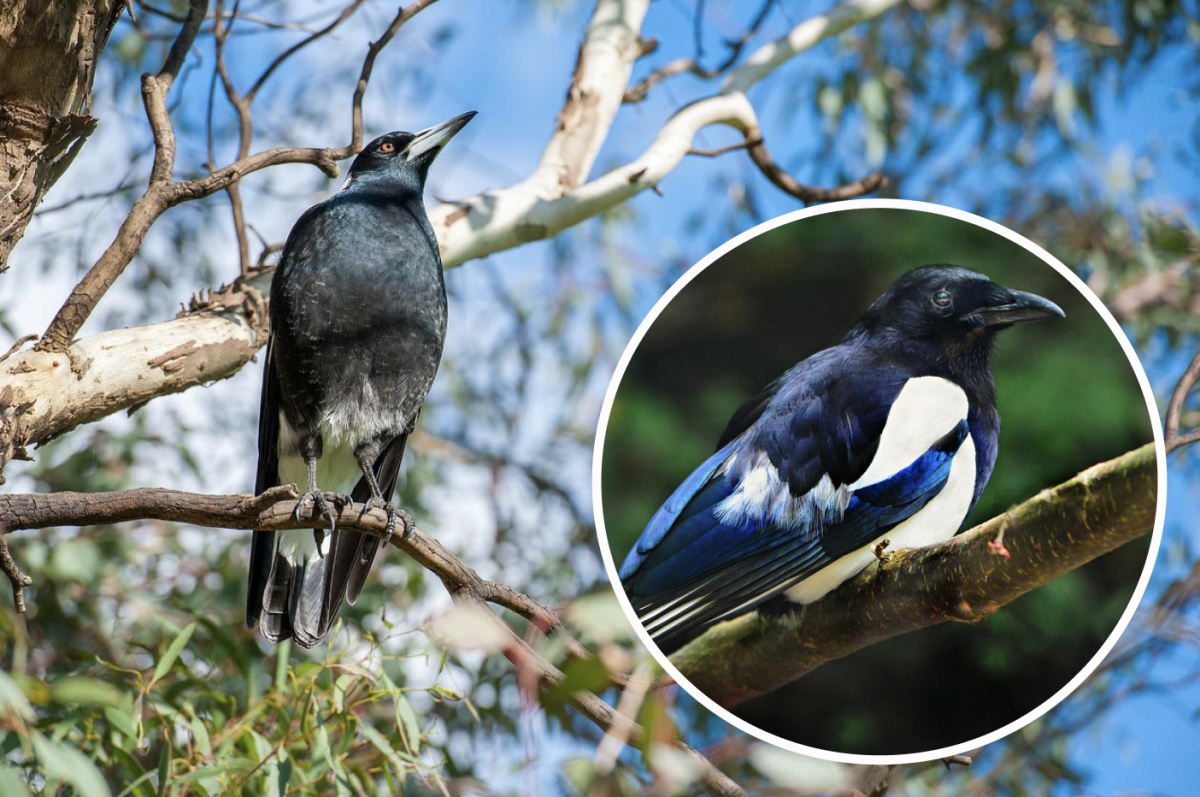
{"x":44,"y":393}
{"x":48,"y":54}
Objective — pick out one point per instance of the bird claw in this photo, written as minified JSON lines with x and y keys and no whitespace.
{"x":319,"y":503}
{"x":392,"y":515}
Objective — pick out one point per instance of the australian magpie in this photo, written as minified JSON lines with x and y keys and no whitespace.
{"x":890,"y":434}
{"x":358,"y":318}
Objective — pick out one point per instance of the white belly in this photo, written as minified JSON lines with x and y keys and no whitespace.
{"x":936,"y":522}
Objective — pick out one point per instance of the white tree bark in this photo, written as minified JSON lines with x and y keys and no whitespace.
{"x":545,"y":204}
{"x":44,"y":394}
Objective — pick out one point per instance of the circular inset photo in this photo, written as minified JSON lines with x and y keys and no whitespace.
{"x":879,"y":481}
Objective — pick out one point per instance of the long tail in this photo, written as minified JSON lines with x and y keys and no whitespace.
{"x":299,"y":599}
{"x":292,"y":601}
{"x":352,"y":553}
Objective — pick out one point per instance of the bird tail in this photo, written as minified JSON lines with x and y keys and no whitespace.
{"x":351,"y":553}
{"x":300,"y":599}
{"x":292,"y":601}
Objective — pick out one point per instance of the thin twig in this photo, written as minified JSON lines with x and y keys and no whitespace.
{"x":19,"y":579}
{"x":1173,"y":439}
{"x":628,"y":706}
{"x":807,"y":193}
{"x":714,"y":153}
{"x":639,"y":91}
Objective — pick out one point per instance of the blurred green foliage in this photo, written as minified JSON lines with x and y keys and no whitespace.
{"x":1068,"y":397}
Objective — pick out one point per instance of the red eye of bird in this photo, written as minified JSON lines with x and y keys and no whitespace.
{"x":387,"y":147}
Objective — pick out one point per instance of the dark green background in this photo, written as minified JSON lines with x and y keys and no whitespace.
{"x":1068,"y":398}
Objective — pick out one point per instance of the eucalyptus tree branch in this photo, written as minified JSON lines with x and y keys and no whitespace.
{"x":547,"y":203}
{"x":610,"y":48}
{"x":274,"y":510}
{"x":964,"y":579}
{"x":44,"y":394}
{"x":1183,"y":388}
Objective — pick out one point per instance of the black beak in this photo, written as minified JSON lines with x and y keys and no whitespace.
{"x":432,"y":139}
{"x":1021,"y":307}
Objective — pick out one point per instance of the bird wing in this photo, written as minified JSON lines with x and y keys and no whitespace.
{"x":782,"y":500}
{"x":351,"y":553}
{"x":262,"y":546}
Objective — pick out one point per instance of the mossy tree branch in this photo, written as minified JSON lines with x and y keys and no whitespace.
{"x":964,"y":579}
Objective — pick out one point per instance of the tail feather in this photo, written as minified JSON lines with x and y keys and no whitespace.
{"x":309,"y":625}
{"x":351,"y":552}
{"x":292,"y":601}
{"x":274,"y":620}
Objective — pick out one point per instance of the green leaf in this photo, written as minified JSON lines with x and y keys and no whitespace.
{"x":584,"y":675}
{"x":13,"y":700}
{"x":200,"y":737}
{"x":84,"y":691}
{"x":176,"y":647}
{"x":11,"y":782}
{"x":383,"y":745}
{"x":63,"y":763}
{"x":122,"y":718}
{"x":164,"y":770}
{"x":406,"y":721}
{"x":340,"y":688}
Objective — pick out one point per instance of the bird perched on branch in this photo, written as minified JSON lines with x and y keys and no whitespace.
{"x":890,"y":434}
{"x":358,"y":318}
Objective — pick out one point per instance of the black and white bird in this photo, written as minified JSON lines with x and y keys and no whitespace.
{"x":358,"y":318}
{"x":890,"y":434}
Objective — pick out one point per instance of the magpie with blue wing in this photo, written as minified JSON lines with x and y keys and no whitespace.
{"x":358,"y":319}
{"x":891,"y":434}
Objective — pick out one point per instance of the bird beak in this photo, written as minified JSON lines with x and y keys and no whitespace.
{"x":1022,"y":307}
{"x":432,"y":139}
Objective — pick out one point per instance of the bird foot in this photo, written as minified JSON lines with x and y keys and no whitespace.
{"x":315,"y":502}
{"x":392,"y":515}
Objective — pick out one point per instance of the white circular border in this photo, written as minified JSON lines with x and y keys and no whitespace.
{"x":900,"y":204}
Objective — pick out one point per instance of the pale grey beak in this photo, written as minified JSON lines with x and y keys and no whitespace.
{"x":432,"y":139}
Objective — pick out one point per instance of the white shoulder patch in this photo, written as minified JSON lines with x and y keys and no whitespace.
{"x":762,"y":497}
{"x":927,"y":408}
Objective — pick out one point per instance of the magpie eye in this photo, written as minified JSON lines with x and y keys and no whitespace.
{"x":387,"y":148}
{"x":942,"y":299}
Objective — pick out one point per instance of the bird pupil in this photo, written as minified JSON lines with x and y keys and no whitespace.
{"x":942,"y":298}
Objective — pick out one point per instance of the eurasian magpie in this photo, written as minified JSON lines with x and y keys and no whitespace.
{"x":358,"y":318}
{"x":891,"y":434}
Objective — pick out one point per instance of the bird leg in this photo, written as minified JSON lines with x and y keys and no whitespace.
{"x":366,"y":454}
{"x":310,"y":449}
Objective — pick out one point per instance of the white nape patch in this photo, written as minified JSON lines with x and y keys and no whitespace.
{"x":927,"y":408}
{"x":762,"y":497}
{"x":936,"y":522}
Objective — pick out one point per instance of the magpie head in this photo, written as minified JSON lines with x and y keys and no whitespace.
{"x":404,"y":158}
{"x":959,"y":309}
